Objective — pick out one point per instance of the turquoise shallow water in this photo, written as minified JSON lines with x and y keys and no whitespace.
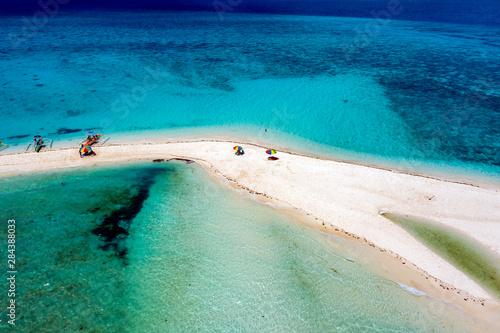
{"x":148,"y":248}
{"x":468,"y":255}
{"x":413,"y":95}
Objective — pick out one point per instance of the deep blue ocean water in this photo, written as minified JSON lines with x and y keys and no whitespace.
{"x":479,"y":12}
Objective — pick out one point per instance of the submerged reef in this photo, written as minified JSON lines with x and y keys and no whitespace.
{"x":114,"y":229}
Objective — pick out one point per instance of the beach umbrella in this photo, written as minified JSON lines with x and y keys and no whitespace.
{"x":85,"y":149}
{"x":270,"y":152}
{"x":237,"y":148}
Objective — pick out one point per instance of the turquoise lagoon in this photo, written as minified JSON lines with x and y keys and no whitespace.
{"x":165,"y":248}
{"x":414,"y":95}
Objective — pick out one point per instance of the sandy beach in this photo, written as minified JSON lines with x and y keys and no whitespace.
{"x":342,"y":198}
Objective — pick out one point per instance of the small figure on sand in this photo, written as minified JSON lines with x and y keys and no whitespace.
{"x":38,"y":143}
{"x":37,"y":140}
{"x":91,"y":139}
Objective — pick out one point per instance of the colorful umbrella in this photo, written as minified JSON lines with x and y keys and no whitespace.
{"x":237,"y":148}
{"x":270,"y":152}
{"x":85,"y":149}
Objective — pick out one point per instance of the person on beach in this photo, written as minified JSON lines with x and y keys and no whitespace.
{"x":37,"y":140}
